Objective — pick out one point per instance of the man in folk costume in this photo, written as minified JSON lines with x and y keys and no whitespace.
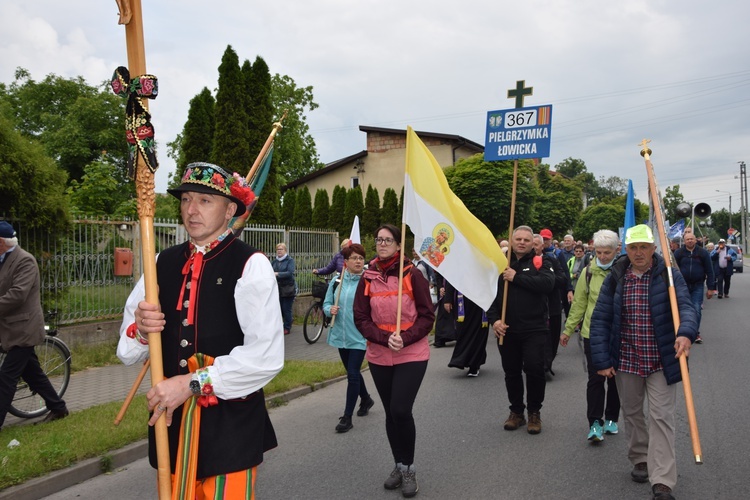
{"x":222,"y":341}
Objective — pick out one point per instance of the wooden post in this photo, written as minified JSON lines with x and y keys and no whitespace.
{"x":131,"y":16}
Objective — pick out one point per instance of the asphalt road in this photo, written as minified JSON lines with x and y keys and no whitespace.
{"x":463,"y":451}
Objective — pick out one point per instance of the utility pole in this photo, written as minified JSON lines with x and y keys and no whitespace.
{"x":743,"y":199}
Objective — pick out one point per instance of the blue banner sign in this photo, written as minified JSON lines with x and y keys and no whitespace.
{"x":515,"y":134}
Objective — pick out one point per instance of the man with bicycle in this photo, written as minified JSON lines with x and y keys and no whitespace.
{"x":22,"y":326}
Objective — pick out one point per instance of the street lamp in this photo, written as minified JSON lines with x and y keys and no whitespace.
{"x":730,"y":207}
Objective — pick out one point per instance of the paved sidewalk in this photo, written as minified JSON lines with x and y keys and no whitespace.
{"x":112,"y":383}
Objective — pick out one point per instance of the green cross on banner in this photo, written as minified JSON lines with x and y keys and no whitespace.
{"x":520,"y":92}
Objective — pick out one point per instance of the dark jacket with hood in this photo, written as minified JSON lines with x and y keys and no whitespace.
{"x":606,"y":322}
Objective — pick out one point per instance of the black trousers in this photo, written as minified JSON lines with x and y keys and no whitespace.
{"x":596,"y":395}
{"x":22,"y":362}
{"x":398,"y":386}
{"x":553,"y":340}
{"x":523,"y":352}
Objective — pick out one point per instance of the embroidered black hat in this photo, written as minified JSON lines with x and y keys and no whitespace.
{"x":212,"y":179}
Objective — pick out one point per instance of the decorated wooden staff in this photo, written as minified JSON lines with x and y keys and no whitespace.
{"x":256,"y":177}
{"x":142,"y":164}
{"x":659,"y":216}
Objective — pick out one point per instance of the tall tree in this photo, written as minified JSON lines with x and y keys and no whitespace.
{"x":354,"y":206}
{"x":371,"y":216}
{"x":558,"y":204}
{"x":100,"y":193}
{"x":231,"y":148}
{"x":287,"y":209}
{"x":672,"y":198}
{"x":303,"y":208}
{"x":486,"y":187}
{"x":32,"y":186}
{"x":336,"y":213}
{"x":259,"y":104}
{"x":601,"y":216}
{"x":320,"y":210}
{"x":389,"y":213}
{"x":295,"y":145}
{"x":74,"y":121}
{"x":194,"y":143}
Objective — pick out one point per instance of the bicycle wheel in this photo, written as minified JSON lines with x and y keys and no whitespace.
{"x":54,"y":359}
{"x":314,"y":324}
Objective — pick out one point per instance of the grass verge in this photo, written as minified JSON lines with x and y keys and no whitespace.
{"x":90,"y":433}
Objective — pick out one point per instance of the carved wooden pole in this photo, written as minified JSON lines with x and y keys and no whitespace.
{"x":131,"y":17}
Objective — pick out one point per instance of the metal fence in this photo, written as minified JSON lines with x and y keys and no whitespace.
{"x":78,"y":271}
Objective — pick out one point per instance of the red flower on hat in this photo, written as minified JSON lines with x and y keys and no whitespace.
{"x":147,"y":86}
{"x":242,"y":193}
{"x":218,"y":180}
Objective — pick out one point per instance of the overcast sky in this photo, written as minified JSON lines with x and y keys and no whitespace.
{"x":677,"y":72}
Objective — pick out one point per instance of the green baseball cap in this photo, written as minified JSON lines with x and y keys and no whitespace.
{"x":639,"y":234}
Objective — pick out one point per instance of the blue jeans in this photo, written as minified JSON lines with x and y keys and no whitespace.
{"x":696,"y":297}
{"x":352,"y":359}
{"x":286,"y":311}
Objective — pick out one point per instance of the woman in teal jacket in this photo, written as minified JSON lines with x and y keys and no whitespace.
{"x":584,"y":301}
{"x":343,"y":335}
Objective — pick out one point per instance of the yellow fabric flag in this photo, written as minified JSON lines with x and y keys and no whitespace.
{"x":446,"y":235}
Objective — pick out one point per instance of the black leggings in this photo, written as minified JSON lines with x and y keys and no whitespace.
{"x":398,"y":386}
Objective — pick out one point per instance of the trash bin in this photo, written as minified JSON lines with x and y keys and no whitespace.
{"x":123,"y":262}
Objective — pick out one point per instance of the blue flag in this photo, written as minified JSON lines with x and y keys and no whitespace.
{"x":629,"y":213}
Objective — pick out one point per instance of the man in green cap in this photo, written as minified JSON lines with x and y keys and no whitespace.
{"x":632,"y":335}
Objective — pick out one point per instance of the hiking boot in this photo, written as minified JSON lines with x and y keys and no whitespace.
{"x":595,"y":432}
{"x":345,"y":423}
{"x":515,"y":420}
{"x":394,"y":479}
{"x":661,"y":492}
{"x":535,"y":423}
{"x":610,"y":427}
{"x":639,"y":474}
{"x":409,"y":486}
{"x":364,"y":407}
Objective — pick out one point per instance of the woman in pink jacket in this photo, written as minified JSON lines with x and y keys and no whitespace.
{"x":397,"y":358}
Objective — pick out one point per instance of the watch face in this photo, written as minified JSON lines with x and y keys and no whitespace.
{"x":195,"y":386}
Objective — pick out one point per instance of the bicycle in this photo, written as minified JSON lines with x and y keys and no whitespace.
{"x":55,"y":360}
{"x":315,"y":319}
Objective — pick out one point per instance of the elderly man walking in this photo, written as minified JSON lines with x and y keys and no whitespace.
{"x":632,"y":335}
{"x":698,"y":271}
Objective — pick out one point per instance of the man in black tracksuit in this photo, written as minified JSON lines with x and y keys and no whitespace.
{"x":524,"y":332}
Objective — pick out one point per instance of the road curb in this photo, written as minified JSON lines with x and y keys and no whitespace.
{"x":59,"y":480}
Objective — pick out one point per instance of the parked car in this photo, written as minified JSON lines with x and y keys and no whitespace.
{"x":738,"y":264}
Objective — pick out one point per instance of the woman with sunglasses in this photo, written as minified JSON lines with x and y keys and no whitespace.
{"x":344,"y":335}
{"x":397,"y":358}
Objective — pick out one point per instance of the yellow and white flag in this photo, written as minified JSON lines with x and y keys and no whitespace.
{"x":446,"y":235}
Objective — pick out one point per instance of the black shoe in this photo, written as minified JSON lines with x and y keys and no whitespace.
{"x":721,"y":296}
{"x":639,"y":474}
{"x":345,"y":423}
{"x":364,"y":407}
{"x":661,"y":492}
{"x":55,"y":415}
{"x":438,"y":344}
{"x":698,"y":339}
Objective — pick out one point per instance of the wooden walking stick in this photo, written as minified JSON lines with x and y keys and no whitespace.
{"x":129,"y":398}
{"x":131,"y":17}
{"x":510,"y":246}
{"x":659,"y":216}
